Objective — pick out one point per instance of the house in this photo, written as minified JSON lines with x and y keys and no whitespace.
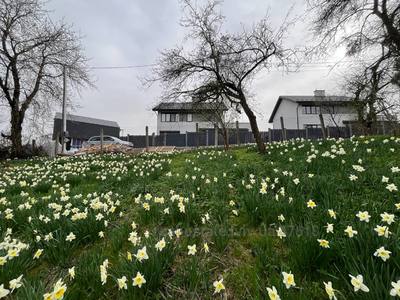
{"x":80,"y":129}
{"x":301,"y":112}
{"x":182,"y":117}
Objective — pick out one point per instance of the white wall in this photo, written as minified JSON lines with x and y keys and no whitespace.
{"x":289,"y":109}
{"x":184,"y":127}
{"x":331,"y":120}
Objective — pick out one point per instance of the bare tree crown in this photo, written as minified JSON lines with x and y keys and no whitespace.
{"x":34,"y":51}
{"x":220,"y":62}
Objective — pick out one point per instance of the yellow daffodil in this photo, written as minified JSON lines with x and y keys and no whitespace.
{"x":358,"y":283}
{"x":122,"y":283}
{"x":280,"y":233}
{"x":142,"y":254}
{"x":323,"y":243}
{"x":395,"y":291}
{"x":330,"y":291}
{"x":288,"y":279}
{"x":139,"y":280}
{"x":15,"y":283}
{"x":273,"y":293}
{"x":219,"y":286}
{"x":382,"y":253}
{"x":192,"y":249}
{"x":311,"y":204}
{"x":71,"y":272}
{"x":38,"y":253}
{"x":350,"y":231}
{"x":363,"y":216}
{"x":160,"y":245}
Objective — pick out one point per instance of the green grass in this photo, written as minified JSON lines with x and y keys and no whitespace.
{"x":230,"y":200}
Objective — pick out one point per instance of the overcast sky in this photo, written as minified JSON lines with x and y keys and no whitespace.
{"x":132,"y":32}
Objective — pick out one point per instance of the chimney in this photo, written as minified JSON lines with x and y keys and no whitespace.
{"x":319,"y":93}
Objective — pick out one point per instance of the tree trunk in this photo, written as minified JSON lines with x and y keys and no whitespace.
{"x":226,"y":138}
{"x":16,"y":133}
{"x":253,"y":124}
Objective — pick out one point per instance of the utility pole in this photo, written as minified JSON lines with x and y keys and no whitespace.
{"x":64,"y":112}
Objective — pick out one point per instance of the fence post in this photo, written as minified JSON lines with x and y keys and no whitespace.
{"x":328,"y":131}
{"x":207,"y":144}
{"x":269,"y":135}
{"x":153,"y":139}
{"x":215,"y":135}
{"x":56,"y":144}
{"x":321,"y":119}
{"x":307,"y":133}
{"x":227,"y":135}
{"x":197,"y":135}
{"x":165,"y":139}
{"x":283,"y":129}
{"x":237,"y":133}
{"x":186,"y":139}
{"x":350,"y":130}
{"x":101,"y":140}
{"x":33,"y":145}
{"x":147,"y":138}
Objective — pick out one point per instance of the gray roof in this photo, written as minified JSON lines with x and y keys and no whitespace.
{"x":310,"y":100}
{"x":186,"y":106}
{"x":88,"y":120}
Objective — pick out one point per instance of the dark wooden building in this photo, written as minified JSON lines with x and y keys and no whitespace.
{"x":80,"y":129}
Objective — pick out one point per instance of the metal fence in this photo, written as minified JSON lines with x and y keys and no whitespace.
{"x":207,"y":137}
{"x":244,"y":136}
{"x":191,"y":139}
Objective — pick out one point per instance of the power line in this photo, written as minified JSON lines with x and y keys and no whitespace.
{"x":121,"y":67}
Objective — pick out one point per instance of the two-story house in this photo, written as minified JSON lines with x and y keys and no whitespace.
{"x":300,"y":112}
{"x":181,"y":117}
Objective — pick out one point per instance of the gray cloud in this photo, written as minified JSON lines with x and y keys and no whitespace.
{"x":132,"y":32}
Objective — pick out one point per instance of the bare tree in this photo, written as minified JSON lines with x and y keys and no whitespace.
{"x":363,"y":26}
{"x":217,"y":64}
{"x":372,"y":91}
{"x":370,"y":31}
{"x":33,"y":53}
{"x":219,"y":114}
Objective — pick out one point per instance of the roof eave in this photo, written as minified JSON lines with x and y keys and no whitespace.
{"x":271,"y":118}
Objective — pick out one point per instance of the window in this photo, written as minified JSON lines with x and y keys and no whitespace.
{"x":185,"y":117}
{"x":174,"y":118}
{"x":169,"y":117}
{"x":311,"y":110}
{"x":311,"y":126}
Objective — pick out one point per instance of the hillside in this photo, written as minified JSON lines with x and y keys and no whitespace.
{"x":206,"y":224}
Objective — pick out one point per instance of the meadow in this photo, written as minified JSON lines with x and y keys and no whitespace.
{"x":307,"y":220}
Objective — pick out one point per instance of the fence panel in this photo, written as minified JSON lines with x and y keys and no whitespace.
{"x":176,"y":139}
{"x":206,"y":137}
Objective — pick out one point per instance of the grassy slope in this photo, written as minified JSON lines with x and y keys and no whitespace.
{"x":244,"y":249}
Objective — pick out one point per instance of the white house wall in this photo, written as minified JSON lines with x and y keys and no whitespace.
{"x":184,"y":127}
{"x":330,"y":120}
{"x":289,"y":109}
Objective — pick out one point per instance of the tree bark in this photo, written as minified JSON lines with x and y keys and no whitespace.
{"x":226,"y":138}
{"x":17,"y":119}
{"x":253,"y":124}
